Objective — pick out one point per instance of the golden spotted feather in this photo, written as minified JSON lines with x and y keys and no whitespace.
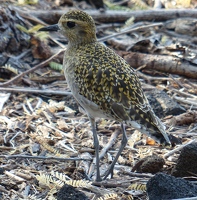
{"x":106,"y":80}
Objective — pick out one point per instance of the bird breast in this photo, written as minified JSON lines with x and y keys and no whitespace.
{"x":90,"y":107}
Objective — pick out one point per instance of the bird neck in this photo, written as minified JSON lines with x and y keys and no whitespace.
{"x":81,"y":42}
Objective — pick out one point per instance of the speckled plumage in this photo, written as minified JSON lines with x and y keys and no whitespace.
{"x":110,"y":83}
{"x":103,"y":83}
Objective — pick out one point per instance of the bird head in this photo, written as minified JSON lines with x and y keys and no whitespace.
{"x":77,"y":26}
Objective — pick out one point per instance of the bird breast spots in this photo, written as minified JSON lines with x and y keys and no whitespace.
{"x":99,"y":76}
{"x":122,"y":83}
{"x":120,"y":89}
{"x":125,"y":101}
{"x":89,"y":78}
{"x":107,"y":72}
{"x":116,"y":93}
{"x":90,"y":74}
{"x":99,"y":88}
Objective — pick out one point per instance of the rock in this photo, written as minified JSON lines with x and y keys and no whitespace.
{"x":149,"y":164}
{"x":187,"y":161}
{"x":162,"y":104}
{"x":163,"y":186}
{"x":68,"y":192}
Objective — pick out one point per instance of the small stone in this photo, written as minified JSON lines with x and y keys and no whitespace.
{"x":162,"y":104}
{"x":68,"y":192}
{"x":187,"y":161}
{"x":163,"y":186}
{"x":150,"y":164}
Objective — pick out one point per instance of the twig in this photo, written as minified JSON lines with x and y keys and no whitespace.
{"x":189,"y":198}
{"x":137,"y":174}
{"x":177,"y":149}
{"x":186,"y":101}
{"x":149,"y":78}
{"x":13,"y":176}
{"x":195,"y":127}
{"x":110,"y":143}
{"x":36,"y":91}
{"x":183,"y":93}
{"x":129,"y":31}
{"x":67,"y":135}
{"x":163,"y":63}
{"x":109,"y":183}
{"x":41,"y":157}
{"x":48,"y":60}
{"x":19,"y":132}
{"x":110,"y":16}
{"x":51,"y":58}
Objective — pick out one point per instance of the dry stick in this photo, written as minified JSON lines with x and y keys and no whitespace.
{"x":27,"y":90}
{"x":32,"y":18}
{"x":41,"y":157}
{"x":104,"y":150}
{"x":118,"y":183}
{"x":162,"y":63}
{"x":165,"y":156}
{"x":110,"y":143}
{"x":189,"y":198}
{"x":186,"y":101}
{"x":182,"y":93}
{"x":57,"y":130}
{"x":144,"y":175}
{"x":149,"y":78}
{"x":32,"y":69}
{"x":98,"y":190}
{"x":129,"y":31}
{"x":114,"y":16}
{"x":23,"y":175}
{"x":13,"y":176}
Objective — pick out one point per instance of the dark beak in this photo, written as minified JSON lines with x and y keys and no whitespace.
{"x":54,"y":27}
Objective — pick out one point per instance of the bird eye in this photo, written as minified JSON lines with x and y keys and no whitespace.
{"x":71,"y":24}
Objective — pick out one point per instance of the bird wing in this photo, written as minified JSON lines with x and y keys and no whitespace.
{"x":109,"y":82}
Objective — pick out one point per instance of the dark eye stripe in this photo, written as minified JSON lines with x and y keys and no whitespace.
{"x":70,"y":24}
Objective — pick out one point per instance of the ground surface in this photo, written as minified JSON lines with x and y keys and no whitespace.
{"x":42,"y":120}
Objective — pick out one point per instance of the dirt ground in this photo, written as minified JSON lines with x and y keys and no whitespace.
{"x":46,"y":139}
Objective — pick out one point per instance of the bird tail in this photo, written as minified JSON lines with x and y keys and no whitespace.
{"x":148,"y":123}
{"x":157,"y":132}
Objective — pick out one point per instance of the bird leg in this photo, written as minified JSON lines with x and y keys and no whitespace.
{"x":96,"y":146}
{"x":123,"y":144}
